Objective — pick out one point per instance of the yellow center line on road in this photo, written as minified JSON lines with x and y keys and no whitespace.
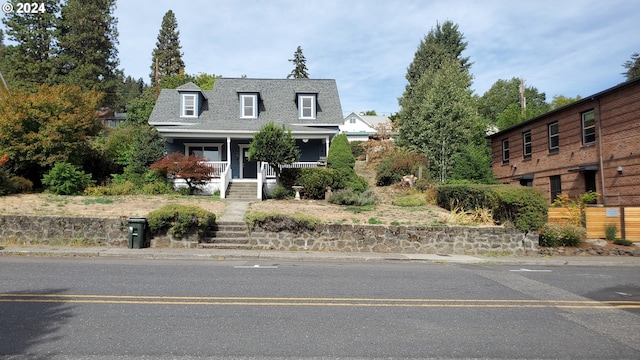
{"x":309,"y":301}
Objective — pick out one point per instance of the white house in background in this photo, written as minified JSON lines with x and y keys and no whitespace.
{"x":360,"y":127}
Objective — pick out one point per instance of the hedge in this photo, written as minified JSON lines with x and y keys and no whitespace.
{"x":524,"y":207}
{"x":180,"y":220}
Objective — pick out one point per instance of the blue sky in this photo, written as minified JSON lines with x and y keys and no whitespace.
{"x":561,"y":47}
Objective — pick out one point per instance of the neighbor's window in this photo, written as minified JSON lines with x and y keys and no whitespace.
{"x":588,"y":128}
{"x":505,"y":151}
{"x":248,"y":106}
{"x":307,"y":106}
{"x":188,"y":105}
{"x":352,"y":120}
{"x":526,"y":144}
{"x":554,"y":138}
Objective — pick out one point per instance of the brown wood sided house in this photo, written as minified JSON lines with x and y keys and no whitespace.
{"x":590,"y":145}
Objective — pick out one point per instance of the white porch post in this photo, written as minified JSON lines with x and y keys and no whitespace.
{"x":229,"y":152}
{"x":326,"y":141}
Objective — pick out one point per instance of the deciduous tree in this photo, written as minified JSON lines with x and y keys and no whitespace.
{"x":191,"y":168}
{"x":52,"y":125}
{"x":274,"y":145}
{"x":500,"y":102}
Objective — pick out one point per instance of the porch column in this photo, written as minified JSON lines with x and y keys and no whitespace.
{"x":326,"y":142}
{"x":229,"y":152}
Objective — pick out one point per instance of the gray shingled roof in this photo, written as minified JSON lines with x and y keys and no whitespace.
{"x":221,"y":110}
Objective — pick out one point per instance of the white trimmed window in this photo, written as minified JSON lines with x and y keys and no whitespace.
{"x":306,"y":106}
{"x":188,"y":105}
{"x":211,"y":152}
{"x":554,"y":138}
{"x":248,"y":106}
{"x":588,"y":128}
{"x":505,"y":151}
{"x":526,"y":145}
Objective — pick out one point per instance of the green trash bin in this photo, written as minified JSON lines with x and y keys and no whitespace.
{"x":137,"y":227}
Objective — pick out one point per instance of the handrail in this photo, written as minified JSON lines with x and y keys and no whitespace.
{"x":262,"y":179}
{"x":225,"y":179}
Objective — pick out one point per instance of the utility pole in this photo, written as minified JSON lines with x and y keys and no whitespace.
{"x":4,"y":84}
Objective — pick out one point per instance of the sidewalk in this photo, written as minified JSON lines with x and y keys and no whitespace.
{"x":246,"y":255}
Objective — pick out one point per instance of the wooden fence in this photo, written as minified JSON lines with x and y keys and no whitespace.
{"x":626,"y":219}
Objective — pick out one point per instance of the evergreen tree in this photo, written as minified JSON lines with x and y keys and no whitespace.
{"x":167,"y":51}
{"x":438,"y":112}
{"x":300,"y":70}
{"x":440,"y":118}
{"x":442,"y":43}
{"x":28,"y":64}
{"x":87,"y":42}
{"x":633,"y":67}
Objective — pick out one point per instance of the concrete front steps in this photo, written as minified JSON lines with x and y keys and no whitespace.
{"x":227,"y":235}
{"x":244,"y":191}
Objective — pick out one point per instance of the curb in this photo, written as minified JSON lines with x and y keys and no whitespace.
{"x":261,"y":255}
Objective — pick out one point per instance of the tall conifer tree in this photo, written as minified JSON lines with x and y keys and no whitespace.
{"x":29,"y":63}
{"x":300,"y":70}
{"x":167,"y":50}
{"x":438,"y":116}
{"x":87,"y":41}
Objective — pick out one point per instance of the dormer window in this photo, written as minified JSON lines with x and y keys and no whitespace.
{"x":248,"y":106}
{"x":188,"y":105}
{"x":306,"y":106}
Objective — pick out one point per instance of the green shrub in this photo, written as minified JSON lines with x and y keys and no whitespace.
{"x":356,"y":148}
{"x":316,"y":181}
{"x":280,"y":192}
{"x":21,"y":185}
{"x":623,"y":242}
{"x":409,"y":201}
{"x":157,"y":188}
{"x":275,"y":222}
{"x":340,"y":156}
{"x":610,"y":231}
{"x":66,"y":179}
{"x":524,"y":207}
{"x":554,"y":235}
{"x":350,"y":197}
{"x":397,"y":164}
{"x":180,"y":220}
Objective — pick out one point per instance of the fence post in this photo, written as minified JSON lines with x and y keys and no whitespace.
{"x":623,"y":232}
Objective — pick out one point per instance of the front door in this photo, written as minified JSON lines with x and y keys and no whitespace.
{"x":249,"y":169}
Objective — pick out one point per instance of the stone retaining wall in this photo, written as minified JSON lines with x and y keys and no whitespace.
{"x":32,"y":230}
{"x":400,"y":239}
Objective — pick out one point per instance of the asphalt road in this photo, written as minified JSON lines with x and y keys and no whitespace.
{"x":52,"y":308}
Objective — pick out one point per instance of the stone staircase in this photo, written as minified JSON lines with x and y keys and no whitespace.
{"x":243,"y":191}
{"x":226,"y":235}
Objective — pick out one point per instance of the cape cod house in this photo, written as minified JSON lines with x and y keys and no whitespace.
{"x":219,"y":124}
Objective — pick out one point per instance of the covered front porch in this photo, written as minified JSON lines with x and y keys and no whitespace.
{"x":229,"y":161}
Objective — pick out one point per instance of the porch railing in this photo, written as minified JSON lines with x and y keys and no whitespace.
{"x":217,"y":168}
{"x":270,"y":174}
